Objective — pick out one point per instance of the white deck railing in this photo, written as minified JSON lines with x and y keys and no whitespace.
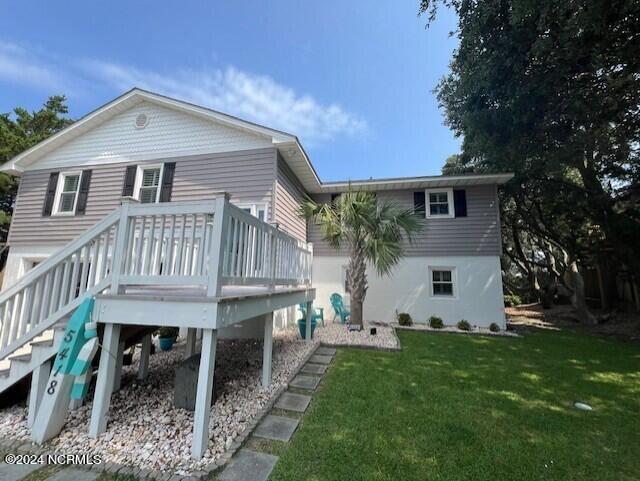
{"x":206,"y":245}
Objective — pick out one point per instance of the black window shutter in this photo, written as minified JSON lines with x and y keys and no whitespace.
{"x":50,"y":195}
{"x":419,"y":203}
{"x":129,"y":181}
{"x":83,"y":193}
{"x":167,"y":181}
{"x":460,"y":202}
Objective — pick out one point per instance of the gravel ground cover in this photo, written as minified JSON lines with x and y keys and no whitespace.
{"x":145,"y":429}
{"x":336,"y":334}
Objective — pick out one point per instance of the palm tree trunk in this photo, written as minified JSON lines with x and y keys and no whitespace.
{"x":357,"y":280}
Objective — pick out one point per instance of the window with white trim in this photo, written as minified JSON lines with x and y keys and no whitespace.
{"x":148,"y":180}
{"x":439,"y":202}
{"x":67,"y":193}
{"x":256,"y":210}
{"x":442,"y":282}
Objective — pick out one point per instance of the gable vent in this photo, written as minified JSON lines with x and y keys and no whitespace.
{"x":142,"y":121}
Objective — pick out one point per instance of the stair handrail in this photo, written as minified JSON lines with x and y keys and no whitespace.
{"x":13,"y":334}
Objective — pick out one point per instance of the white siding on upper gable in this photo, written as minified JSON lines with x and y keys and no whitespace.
{"x":168,"y":133}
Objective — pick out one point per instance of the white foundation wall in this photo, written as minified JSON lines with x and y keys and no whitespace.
{"x":21,"y":258}
{"x":477,"y":284}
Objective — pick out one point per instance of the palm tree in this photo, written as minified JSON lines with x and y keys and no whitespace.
{"x":371,"y":230}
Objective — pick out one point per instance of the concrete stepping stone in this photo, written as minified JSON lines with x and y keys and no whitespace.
{"x":326,"y":351}
{"x":248,"y":465}
{"x":73,"y":474}
{"x":314,"y":369}
{"x":320,"y":359}
{"x":305,"y":382}
{"x":291,"y":401}
{"x":277,"y":428}
{"x":15,"y":472}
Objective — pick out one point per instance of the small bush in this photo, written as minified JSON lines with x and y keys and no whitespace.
{"x":168,"y":332}
{"x":464,"y":325}
{"x":435,"y":322}
{"x":494,"y":327}
{"x":404,"y":319}
{"x":511,"y":300}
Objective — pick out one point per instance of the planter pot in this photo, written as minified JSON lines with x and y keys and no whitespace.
{"x":302,"y":327}
{"x":166,"y":343}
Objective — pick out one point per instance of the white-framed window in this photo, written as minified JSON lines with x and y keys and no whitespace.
{"x":67,"y":193}
{"x":439,"y":202}
{"x":257,"y":210}
{"x":443,"y":281}
{"x":147,"y":187}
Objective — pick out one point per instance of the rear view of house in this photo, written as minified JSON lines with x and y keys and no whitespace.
{"x":170,"y":214}
{"x":157,"y":150}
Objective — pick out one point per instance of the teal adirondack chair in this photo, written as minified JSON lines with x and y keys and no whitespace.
{"x":316,"y":315}
{"x":338,"y":307}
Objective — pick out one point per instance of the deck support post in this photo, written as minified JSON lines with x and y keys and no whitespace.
{"x":39,"y":380}
{"x":267,"y":350}
{"x":204,"y":392}
{"x":190,"y":348}
{"x":145,"y":352}
{"x":117,"y":378}
{"x":308,"y":321}
{"x":104,"y":383}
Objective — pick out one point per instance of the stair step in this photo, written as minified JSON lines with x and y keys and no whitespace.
{"x":21,"y":357}
{"x":42,"y":342}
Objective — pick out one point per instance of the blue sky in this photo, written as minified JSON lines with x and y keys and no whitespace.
{"x":353,"y":79}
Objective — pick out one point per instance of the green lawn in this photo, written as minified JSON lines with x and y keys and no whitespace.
{"x":452,"y":407}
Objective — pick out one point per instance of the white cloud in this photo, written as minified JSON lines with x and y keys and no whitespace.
{"x":258,"y":98}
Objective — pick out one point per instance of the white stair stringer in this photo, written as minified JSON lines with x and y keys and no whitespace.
{"x":25,"y":360}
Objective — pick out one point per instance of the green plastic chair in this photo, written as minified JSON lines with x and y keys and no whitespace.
{"x":338,"y":307}
{"x":316,"y":315}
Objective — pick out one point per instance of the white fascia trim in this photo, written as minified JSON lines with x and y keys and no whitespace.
{"x":421,"y":182}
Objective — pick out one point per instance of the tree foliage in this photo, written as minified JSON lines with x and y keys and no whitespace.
{"x":18,"y":132}
{"x":372,"y":232}
{"x":551,"y":91}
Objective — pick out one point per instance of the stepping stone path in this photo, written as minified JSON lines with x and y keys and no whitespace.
{"x":290,"y":401}
{"x":248,"y":465}
{"x":15,"y":472}
{"x":72,"y":474}
{"x":276,"y":428}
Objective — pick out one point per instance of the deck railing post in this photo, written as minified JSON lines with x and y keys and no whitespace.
{"x":216,"y":256}
{"x":274,"y":256}
{"x":120,"y":241}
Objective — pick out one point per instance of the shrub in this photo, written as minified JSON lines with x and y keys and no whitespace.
{"x":494,"y":327}
{"x":511,"y":300}
{"x":404,"y":319}
{"x":168,"y":332}
{"x":435,"y":322}
{"x":464,"y":325}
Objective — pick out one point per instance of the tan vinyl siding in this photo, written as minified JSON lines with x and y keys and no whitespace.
{"x":247,"y":175}
{"x":289,"y":195}
{"x":476,"y":234}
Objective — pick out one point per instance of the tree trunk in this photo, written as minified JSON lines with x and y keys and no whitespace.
{"x":357,"y":280}
{"x":578,"y":299}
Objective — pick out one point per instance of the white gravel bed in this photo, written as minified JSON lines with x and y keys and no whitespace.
{"x":147,"y":431}
{"x":336,"y":334}
{"x":474,"y":330}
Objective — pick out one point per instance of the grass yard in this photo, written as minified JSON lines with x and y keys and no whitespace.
{"x":452,"y":407}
